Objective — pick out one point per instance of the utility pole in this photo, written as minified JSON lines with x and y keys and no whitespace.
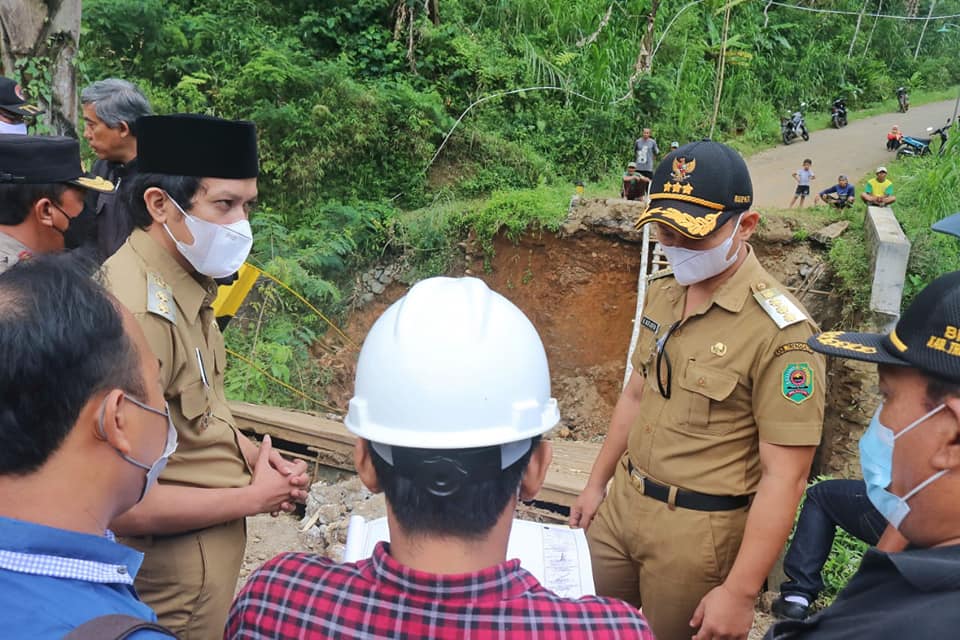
{"x":916,"y":53}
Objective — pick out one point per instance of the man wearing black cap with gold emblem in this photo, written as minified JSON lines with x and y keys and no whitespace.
{"x":910,"y":456}
{"x":191,"y":202}
{"x":712,"y":438}
{"x":15,"y":110}
{"x":42,"y":187}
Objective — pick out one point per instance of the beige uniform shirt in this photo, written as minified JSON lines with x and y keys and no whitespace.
{"x":738,"y":377}
{"x":173,"y":308}
{"x":12,"y":251}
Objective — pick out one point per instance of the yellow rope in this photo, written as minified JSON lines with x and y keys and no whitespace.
{"x":283,"y":384}
{"x":312,"y":308}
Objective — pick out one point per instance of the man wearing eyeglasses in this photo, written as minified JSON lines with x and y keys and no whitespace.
{"x":711,"y":441}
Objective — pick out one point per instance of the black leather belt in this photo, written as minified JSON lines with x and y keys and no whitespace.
{"x":686,"y":499}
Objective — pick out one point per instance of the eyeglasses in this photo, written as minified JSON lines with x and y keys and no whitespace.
{"x":661,"y":358}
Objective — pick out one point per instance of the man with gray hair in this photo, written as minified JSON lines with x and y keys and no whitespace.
{"x":110,"y":109}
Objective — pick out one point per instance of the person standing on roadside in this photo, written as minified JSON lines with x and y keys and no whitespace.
{"x":190,"y":202}
{"x":803,"y":176}
{"x":646,"y":150}
{"x":711,"y":441}
{"x":111,"y":108}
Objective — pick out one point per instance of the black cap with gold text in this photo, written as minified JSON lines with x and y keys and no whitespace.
{"x":697,"y":188}
{"x":927,"y":336}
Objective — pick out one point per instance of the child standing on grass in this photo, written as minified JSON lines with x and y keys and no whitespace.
{"x":803,"y":176}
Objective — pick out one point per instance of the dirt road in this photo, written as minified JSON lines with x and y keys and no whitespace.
{"x":855,"y":150}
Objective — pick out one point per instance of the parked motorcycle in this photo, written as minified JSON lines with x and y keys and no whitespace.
{"x":911,"y":146}
{"x":838,"y":113}
{"x":794,"y":125}
{"x":903,"y":100}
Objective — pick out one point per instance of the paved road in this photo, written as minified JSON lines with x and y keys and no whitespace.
{"x":856,"y":150}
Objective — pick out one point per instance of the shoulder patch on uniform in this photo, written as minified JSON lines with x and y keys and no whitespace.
{"x":781,"y":309}
{"x":160,"y":298}
{"x":797,"y":383}
{"x":662,"y":273}
{"x":791,"y":347}
{"x":649,"y":324}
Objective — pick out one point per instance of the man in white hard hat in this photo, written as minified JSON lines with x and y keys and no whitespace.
{"x":452,"y":396}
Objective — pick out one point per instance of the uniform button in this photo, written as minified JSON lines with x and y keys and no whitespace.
{"x":701,"y":382}
{"x":122,"y":571}
{"x":647,"y":429}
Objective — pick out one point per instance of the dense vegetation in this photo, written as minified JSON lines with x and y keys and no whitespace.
{"x":353,"y":99}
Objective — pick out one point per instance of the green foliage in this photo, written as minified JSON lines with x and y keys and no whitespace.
{"x":842,"y":563}
{"x":353,"y":99}
{"x":928,"y":189}
{"x":513,"y":212}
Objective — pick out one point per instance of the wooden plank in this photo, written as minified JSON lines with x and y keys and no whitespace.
{"x":566,"y":477}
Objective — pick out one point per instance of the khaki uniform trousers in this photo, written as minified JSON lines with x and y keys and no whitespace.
{"x":189,"y":579}
{"x":661,"y":558}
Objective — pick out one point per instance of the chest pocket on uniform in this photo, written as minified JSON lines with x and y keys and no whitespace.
{"x":194,"y":405}
{"x":706,"y":386}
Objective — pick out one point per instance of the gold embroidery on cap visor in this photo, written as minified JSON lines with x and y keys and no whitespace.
{"x":897,"y":342}
{"x":691,"y":226}
{"x":832,"y":339}
{"x":97,"y":184}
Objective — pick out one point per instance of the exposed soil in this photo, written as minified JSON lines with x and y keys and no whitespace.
{"x":579,"y":289}
{"x":580,"y":293}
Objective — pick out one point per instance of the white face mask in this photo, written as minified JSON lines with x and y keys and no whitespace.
{"x":19,"y":129}
{"x":218,"y":250}
{"x":691,"y":266}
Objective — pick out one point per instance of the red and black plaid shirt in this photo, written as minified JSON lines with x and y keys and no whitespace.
{"x":298,"y":595}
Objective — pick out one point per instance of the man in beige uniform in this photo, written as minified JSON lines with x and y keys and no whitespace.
{"x":191,"y":201}
{"x":711,"y":441}
{"x":42,"y":187}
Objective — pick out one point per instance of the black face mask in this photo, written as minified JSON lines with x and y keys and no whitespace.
{"x":82,"y":229}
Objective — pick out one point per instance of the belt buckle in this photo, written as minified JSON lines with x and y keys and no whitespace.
{"x":637,"y":480}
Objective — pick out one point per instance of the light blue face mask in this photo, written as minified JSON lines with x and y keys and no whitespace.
{"x":153,"y":470}
{"x":876,"y":461}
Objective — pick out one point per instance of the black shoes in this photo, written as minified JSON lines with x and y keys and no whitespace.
{"x":789,"y":610}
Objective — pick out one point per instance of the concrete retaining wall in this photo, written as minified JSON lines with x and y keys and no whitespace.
{"x":889,"y":251}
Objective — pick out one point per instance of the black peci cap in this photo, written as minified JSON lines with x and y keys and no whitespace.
{"x":927,"y":336}
{"x":45,"y":160}
{"x":188,"y":144}
{"x":12,"y":100}
{"x":697,"y":188}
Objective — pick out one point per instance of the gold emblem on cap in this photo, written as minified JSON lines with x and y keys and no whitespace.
{"x":719,"y":349}
{"x":682,"y":168}
{"x":97,"y":184}
{"x":689,"y":225}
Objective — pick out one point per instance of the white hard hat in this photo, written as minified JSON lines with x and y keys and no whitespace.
{"x":452,"y":365}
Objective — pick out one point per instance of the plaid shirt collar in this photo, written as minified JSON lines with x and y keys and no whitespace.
{"x":34,"y":549}
{"x":504,"y":581}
